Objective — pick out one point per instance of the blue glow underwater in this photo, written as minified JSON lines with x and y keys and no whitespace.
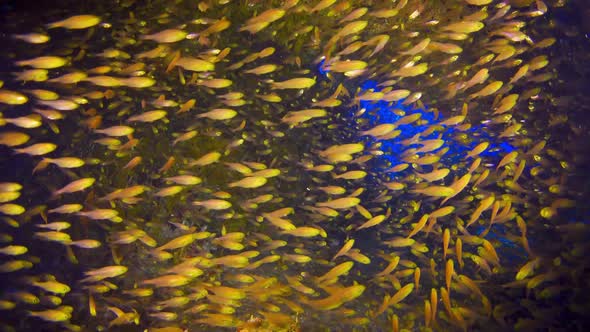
{"x":381,"y":112}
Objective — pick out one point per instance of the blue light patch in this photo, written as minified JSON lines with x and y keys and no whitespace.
{"x":321,"y":67}
{"x":381,"y":112}
{"x":367,"y":85}
{"x":458,"y":144}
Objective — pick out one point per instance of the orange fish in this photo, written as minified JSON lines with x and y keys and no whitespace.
{"x":133,"y":163}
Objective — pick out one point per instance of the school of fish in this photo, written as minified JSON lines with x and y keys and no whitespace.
{"x":291,"y":165}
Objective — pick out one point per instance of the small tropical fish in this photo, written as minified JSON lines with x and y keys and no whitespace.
{"x":38,"y":149}
{"x":100,"y":214}
{"x":14,"y":250}
{"x":116,"y":131}
{"x":340,"y":203}
{"x":75,"y":186}
{"x":76,"y":22}
{"x":249,"y":182}
{"x":372,"y":222}
{"x":351,"y":175}
{"x":186,"y":180}
{"x":53,"y":287}
{"x":183,"y":241}
{"x":44,"y":62}
{"x":335,"y":272}
{"x":33,"y":38}
{"x":150,"y":116}
{"x":12,"y":97}
{"x":219,"y":114}
{"x":104,"y":272}
{"x":214,"y":204}
{"x":207,"y":159}
{"x":294,"y":83}
{"x":436,"y":191}
{"x":166,"y":36}
{"x":13,"y":138}
{"x":303,"y":231}
{"x":53,"y":315}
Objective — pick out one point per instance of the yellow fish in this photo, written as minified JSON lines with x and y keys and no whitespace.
{"x":464,"y":27}
{"x":13,"y":138}
{"x":219,"y":114}
{"x":345,"y":248}
{"x":166,"y":36}
{"x":170,"y":280}
{"x":44,"y":62}
{"x":249,"y":182}
{"x":116,"y":131}
{"x":401,"y":294}
{"x":14,"y":250}
{"x":207,"y":159}
{"x":185,"y":180}
{"x":294,"y":83}
{"x":435,"y":175}
{"x":12,"y":97}
{"x":340,"y":203}
{"x":303,"y":231}
{"x":372,"y":222}
{"x":419,"y":225}
{"x":52,"y":315}
{"x":75,"y":186}
{"x":183,"y":241}
{"x":215,"y":83}
{"x":38,"y":149}
{"x":411,"y":71}
{"x":53,"y":287}
{"x":214,"y":204}
{"x":351,"y":175}
{"x":33,"y":38}
{"x":193,"y":64}
{"x":338,"y":298}
{"x":168,"y":191}
{"x":76,"y":22}
{"x":261,"y":70}
{"x":436,"y":191}
{"x":335,"y":272}
{"x":99,"y":214}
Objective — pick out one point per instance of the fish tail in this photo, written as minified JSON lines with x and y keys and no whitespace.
{"x":90,"y":279}
{"x":302,"y":299}
{"x":316,"y":152}
{"x":173,"y":62}
{"x":41,"y":165}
